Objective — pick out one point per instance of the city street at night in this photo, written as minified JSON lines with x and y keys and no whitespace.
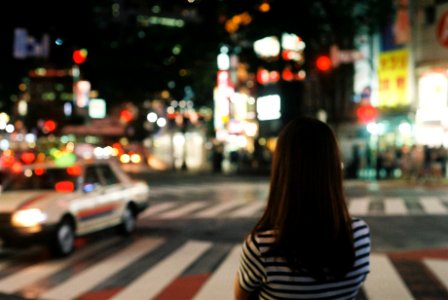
{"x":138,"y":139}
{"x":187,"y":244}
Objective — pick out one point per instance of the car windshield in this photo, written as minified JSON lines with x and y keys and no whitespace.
{"x":41,"y":179}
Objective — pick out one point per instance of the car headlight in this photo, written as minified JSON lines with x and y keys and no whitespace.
{"x":28,"y":217}
{"x":136,"y":158}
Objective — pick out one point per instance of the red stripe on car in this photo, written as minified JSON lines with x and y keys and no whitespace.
{"x":31,"y":201}
{"x":96,"y":211}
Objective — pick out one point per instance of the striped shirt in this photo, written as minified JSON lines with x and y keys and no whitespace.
{"x":274,"y":280}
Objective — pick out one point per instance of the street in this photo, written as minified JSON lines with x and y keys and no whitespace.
{"x":187,"y":244}
{"x":200,"y":101}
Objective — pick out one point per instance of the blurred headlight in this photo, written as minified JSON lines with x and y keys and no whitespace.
{"x":136,"y":158}
{"x":28,"y":217}
{"x":125,"y":158}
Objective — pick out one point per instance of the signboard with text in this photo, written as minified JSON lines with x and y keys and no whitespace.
{"x":393,"y":76}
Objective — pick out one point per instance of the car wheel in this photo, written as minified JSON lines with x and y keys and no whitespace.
{"x":129,"y":221}
{"x":64,"y":239}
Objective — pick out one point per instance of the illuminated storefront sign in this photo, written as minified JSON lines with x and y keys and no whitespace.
{"x":433,"y":136}
{"x":267,"y":47}
{"x":223,"y":59}
{"x":393,"y":78}
{"x":268,"y":107}
{"x":433,"y":90}
{"x":223,"y":79}
{"x":222,"y":107}
{"x":97,"y":108}
{"x":432,"y":113}
{"x":82,"y":90}
{"x":292,"y":47}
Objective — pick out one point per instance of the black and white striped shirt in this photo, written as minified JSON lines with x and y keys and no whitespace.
{"x":274,"y":280}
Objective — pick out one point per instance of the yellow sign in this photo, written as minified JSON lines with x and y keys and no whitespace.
{"x":393,"y":78}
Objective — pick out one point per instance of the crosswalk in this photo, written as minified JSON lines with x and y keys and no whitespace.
{"x":92,"y":276}
{"x":397,"y":206}
{"x":384,"y":282}
{"x":163,"y":269}
{"x":247,"y":200}
{"x":238,"y":208}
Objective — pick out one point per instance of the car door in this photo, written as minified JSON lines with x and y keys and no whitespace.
{"x":114,"y":195}
{"x":87,"y":206}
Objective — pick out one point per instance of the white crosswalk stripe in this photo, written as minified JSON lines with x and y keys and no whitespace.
{"x":154,"y":280}
{"x":439,"y":268}
{"x":359,"y":206}
{"x":33,"y":273}
{"x":250,"y":210}
{"x":183,"y":210}
{"x":217,"y":209}
{"x":395,"y":206}
{"x":155,"y":209}
{"x":384,"y":282}
{"x":92,"y":276}
{"x":433,"y":205}
{"x":220,"y":285}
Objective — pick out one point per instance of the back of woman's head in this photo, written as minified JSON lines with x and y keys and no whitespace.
{"x":306,"y":203}
{"x":307,"y":152}
{"x":307,"y":170}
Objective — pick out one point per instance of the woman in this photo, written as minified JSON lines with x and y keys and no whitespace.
{"x":306,"y":245}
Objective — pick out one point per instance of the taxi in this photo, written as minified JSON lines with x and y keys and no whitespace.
{"x":51,"y":204}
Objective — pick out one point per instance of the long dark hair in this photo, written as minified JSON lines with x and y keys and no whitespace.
{"x":306,"y":203}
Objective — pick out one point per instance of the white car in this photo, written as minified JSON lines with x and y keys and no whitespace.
{"x":54,"y":205}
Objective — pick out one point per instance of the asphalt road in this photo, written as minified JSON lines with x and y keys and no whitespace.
{"x":186,"y":245}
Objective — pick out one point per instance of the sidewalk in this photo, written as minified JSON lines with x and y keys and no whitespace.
{"x":398,"y":183}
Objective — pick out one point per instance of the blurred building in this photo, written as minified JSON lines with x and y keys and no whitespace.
{"x":404,"y":76}
{"x":46,"y":93}
{"x":430,"y":56}
{"x":254,"y":98}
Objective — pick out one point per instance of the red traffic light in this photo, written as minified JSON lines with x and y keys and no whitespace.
{"x":79,"y":56}
{"x":366,"y":113}
{"x":323,"y":63}
{"x":49,"y":126}
{"x":126,"y":116}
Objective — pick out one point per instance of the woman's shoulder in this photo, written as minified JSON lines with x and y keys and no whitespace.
{"x":261,"y":238}
{"x":358,"y":222}
{"x":262,"y":235}
{"x":360,"y":228}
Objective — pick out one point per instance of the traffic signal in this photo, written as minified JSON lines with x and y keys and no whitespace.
{"x":79,"y":56}
{"x":126,"y":116}
{"x":48,"y":126}
{"x":323,"y":63}
{"x":366,"y":113}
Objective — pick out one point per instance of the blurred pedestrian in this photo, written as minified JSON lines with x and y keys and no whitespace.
{"x":389,"y":162}
{"x":306,"y":245}
{"x":355,"y":164}
{"x":217,"y":158}
{"x":379,"y":165}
